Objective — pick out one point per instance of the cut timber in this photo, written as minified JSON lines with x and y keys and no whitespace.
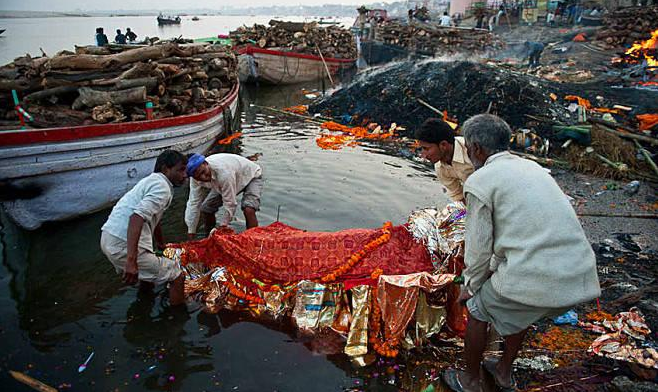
{"x":47,"y":93}
{"x":91,"y":98}
{"x":90,"y":61}
{"x":150,"y":83}
{"x":608,"y":127}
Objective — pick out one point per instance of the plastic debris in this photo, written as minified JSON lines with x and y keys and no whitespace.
{"x":569,"y":318}
{"x":83,"y":367}
{"x":540,"y":363}
{"x":632,"y":188}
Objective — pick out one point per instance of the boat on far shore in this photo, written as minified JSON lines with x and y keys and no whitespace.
{"x":2,"y":31}
{"x":168,"y":20}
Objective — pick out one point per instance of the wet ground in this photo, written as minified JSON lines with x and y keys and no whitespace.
{"x":60,"y":299}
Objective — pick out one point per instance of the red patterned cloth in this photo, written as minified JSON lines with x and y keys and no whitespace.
{"x":281,"y":253}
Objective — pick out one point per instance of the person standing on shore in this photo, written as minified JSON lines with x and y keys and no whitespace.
{"x":447,"y":152}
{"x":101,"y":38}
{"x":523,"y":263}
{"x":226,"y":176}
{"x":130,"y":35}
{"x":127,"y":235}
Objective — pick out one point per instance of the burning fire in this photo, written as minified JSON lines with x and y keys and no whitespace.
{"x":645,"y":50}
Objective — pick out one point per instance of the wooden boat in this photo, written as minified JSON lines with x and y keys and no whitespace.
{"x":82,"y":169}
{"x":167,"y":20}
{"x":275,"y":66}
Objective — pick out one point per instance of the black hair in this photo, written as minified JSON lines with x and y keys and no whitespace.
{"x":168,"y":159}
{"x":118,"y":31}
{"x":99,"y":30}
{"x":445,"y":13}
{"x":435,"y":130}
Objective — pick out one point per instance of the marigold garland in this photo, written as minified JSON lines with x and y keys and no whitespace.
{"x":358,"y":256}
{"x":235,"y":291}
{"x":385,"y":348}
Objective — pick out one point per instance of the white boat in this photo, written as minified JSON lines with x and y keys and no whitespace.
{"x":83,"y":169}
{"x":285,"y":67}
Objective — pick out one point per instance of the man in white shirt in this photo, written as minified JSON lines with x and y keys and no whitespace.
{"x":446,"y":20}
{"x":527,"y":256}
{"x":222,"y":177}
{"x":127,"y":236}
{"x":447,"y":152}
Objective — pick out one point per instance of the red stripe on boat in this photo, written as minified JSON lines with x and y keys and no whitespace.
{"x":31,"y":136}
{"x":252,"y":49}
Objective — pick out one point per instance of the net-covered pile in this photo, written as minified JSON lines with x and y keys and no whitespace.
{"x":463,"y":89}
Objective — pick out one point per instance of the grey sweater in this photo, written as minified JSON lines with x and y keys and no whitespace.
{"x":539,"y":254}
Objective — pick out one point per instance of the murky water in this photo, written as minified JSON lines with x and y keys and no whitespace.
{"x":60,"y":299}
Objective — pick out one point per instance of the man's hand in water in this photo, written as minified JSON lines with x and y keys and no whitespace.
{"x":130,"y":274}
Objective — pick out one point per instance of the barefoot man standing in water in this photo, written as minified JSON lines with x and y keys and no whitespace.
{"x":127,"y":236}
{"x":526,"y":257}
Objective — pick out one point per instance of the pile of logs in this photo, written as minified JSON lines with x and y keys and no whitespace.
{"x":625,"y":26}
{"x":433,"y":39}
{"x":332,"y":41}
{"x":100,"y":85}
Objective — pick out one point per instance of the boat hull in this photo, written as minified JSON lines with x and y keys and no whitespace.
{"x":279,"y":67}
{"x":80,"y":176}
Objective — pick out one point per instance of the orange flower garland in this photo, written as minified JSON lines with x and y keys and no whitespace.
{"x":383,"y":348}
{"x":235,"y":291}
{"x":358,"y":256}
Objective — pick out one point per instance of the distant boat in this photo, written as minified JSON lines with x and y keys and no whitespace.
{"x":168,"y":20}
{"x":195,"y":18}
{"x":2,"y":31}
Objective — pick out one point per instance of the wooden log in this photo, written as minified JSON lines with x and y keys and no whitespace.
{"x":90,"y":62}
{"x":56,"y":116}
{"x":91,"y":98}
{"x":150,"y":83}
{"x":21,"y":84}
{"x":49,"y":92}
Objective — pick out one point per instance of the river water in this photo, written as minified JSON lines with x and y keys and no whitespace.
{"x":60,"y":298}
{"x":27,"y":35}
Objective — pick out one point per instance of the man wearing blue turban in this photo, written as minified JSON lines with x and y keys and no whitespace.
{"x":215,"y":182}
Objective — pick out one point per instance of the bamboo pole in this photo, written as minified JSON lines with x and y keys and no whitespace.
{"x":647,"y":157}
{"x":31,"y":382}
{"x":320,"y":120}
{"x":607,"y":126}
{"x":427,"y":105}
{"x":326,"y":68}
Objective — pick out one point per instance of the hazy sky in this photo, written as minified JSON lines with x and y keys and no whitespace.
{"x":69,"y":5}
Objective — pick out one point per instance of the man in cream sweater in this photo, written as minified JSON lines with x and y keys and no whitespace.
{"x":526,"y":257}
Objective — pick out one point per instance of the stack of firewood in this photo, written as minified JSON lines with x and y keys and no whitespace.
{"x":625,"y":26}
{"x":436,"y":39}
{"x":307,"y":38}
{"x":114,"y":84}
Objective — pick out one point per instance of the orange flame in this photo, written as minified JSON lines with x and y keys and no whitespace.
{"x":639,"y":51}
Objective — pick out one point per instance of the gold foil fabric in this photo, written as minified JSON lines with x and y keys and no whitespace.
{"x":357,"y":339}
{"x":315,"y":306}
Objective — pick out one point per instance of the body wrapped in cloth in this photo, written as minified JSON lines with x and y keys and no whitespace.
{"x":284,"y":271}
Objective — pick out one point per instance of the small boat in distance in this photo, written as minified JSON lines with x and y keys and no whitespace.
{"x":2,"y":31}
{"x":195,"y":18}
{"x":168,"y":20}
